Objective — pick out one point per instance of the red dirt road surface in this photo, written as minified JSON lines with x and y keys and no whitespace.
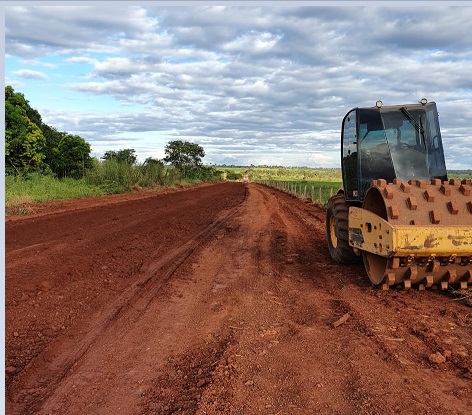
{"x":219,"y":299}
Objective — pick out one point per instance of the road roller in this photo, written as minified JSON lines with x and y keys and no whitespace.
{"x":397,"y":211}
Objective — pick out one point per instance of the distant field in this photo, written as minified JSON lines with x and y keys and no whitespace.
{"x":316,"y":184}
{"x":304,"y":174}
{"x":460,"y":174}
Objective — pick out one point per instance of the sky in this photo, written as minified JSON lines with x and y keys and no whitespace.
{"x":253,"y":83}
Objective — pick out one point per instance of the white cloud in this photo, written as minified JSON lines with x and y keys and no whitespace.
{"x":81,"y":59}
{"x":29,"y":74}
{"x":253,"y":42}
{"x":34,"y":62}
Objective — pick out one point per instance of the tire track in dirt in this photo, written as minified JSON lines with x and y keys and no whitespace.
{"x":129,"y":305}
{"x":268,"y":315}
{"x":284,"y":355}
{"x":28,"y":390}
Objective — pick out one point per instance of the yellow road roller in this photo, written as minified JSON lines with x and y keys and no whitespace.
{"x":397,"y":210}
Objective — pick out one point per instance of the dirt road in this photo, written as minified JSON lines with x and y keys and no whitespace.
{"x":220,"y":299}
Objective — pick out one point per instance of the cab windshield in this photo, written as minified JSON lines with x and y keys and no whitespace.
{"x":400,"y":142}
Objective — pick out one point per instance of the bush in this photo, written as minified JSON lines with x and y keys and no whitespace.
{"x":118,"y":177}
{"x":232,"y":175}
{"x":113,"y":176}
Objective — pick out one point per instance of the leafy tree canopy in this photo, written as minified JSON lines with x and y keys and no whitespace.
{"x":74,"y":156}
{"x":126,"y":156}
{"x":24,"y":141}
{"x":31,"y":145}
{"x":185,"y":156}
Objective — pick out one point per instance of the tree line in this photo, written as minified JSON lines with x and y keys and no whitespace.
{"x":31,"y":146}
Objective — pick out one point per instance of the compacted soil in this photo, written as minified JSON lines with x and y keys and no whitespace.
{"x":218,"y":299}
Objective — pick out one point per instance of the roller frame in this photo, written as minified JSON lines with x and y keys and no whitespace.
{"x":369,"y":232}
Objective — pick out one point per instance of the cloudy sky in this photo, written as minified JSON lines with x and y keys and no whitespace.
{"x":251,"y":82}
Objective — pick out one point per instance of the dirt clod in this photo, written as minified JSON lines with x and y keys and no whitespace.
{"x":437,"y":358}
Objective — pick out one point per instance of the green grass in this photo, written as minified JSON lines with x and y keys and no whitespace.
{"x":459,"y":174}
{"x":22,"y":191}
{"x":111,"y":177}
{"x":39,"y":188}
{"x":316,"y":183}
{"x":118,"y":177}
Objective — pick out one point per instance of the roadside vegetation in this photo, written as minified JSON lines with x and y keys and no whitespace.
{"x":43,"y":164}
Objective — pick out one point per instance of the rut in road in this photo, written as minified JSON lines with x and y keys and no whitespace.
{"x":128,"y":306}
{"x":94,"y":232}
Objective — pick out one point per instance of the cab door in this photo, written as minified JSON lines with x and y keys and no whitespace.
{"x":349,"y":164}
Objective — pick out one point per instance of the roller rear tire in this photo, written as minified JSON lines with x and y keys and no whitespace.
{"x":337,"y":231}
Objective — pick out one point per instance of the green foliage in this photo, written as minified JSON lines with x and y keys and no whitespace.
{"x":118,"y":177}
{"x":51,"y":152}
{"x":32,"y":146}
{"x":204,"y":174}
{"x":73,"y":156}
{"x":24,"y":141}
{"x":184,"y":156}
{"x":37,"y":187}
{"x":34,"y":116}
{"x":112,"y":175}
{"x":460,"y":174}
{"x":232,"y":175}
{"x":152,"y":173}
{"x":125,"y":156}
{"x":153,"y":162}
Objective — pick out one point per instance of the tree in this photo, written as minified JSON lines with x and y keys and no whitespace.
{"x":184,"y":156}
{"x":74,"y":156}
{"x":31,"y":145}
{"x":24,"y":141}
{"x":51,"y":151}
{"x":126,"y":156}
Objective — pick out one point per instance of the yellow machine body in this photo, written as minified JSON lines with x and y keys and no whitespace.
{"x":415,"y":233}
{"x":369,"y":232}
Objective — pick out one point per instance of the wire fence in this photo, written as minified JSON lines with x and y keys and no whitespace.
{"x":303,"y":191}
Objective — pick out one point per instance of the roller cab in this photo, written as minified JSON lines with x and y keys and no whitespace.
{"x":397,"y":209}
